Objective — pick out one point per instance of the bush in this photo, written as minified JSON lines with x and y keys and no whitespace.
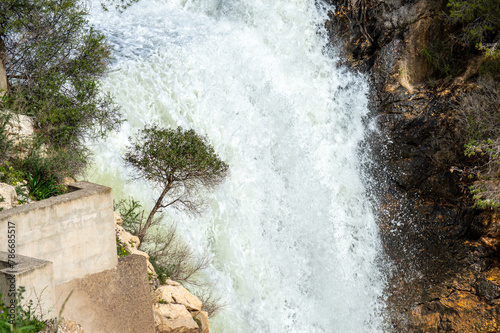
{"x":54,"y":59}
{"x":481,"y":119}
{"x":24,"y":321}
{"x":132,"y":214}
{"x":173,"y":258}
{"x":479,"y":21}
{"x":170,"y":256}
{"x":445,"y":57}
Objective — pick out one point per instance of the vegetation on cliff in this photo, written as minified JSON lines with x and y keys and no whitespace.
{"x":19,"y":318}
{"x":480,"y":23}
{"x":53,"y":60}
{"x":179,"y":162}
{"x":435,"y":99}
{"x":469,"y":51}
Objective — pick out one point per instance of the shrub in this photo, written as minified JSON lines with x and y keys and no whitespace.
{"x":132,"y":214}
{"x":479,"y":21}
{"x":54,"y":59}
{"x":445,"y":57}
{"x":24,"y":321}
{"x":174,"y":258}
{"x":481,"y":119}
{"x":212,"y":302}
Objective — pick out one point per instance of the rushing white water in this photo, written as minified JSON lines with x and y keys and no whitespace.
{"x":294,"y":242}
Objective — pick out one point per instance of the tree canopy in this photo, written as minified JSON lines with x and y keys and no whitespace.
{"x":53,"y":60}
{"x":179,"y":162}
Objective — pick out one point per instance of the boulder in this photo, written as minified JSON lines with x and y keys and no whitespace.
{"x":178,"y":295}
{"x":20,"y":131}
{"x":173,"y":318}
{"x":131,"y":242}
{"x":9,"y":195}
{"x":20,"y":126}
{"x":68,"y":181}
{"x":201,"y":318}
{"x":118,"y":219}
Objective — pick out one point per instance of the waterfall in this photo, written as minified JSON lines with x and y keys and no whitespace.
{"x":294,"y":242}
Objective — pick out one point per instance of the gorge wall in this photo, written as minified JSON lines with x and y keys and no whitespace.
{"x":444,"y":254}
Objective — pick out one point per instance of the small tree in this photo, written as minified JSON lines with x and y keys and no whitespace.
{"x":480,"y":20}
{"x":179,"y":162}
{"x":54,"y":59}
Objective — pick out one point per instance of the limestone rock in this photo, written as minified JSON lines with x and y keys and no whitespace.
{"x":62,"y":325}
{"x":68,"y":181}
{"x":172,"y":283}
{"x":20,"y":126}
{"x":179,"y":295}
{"x":201,"y":318}
{"x":131,"y":242}
{"x":118,"y":219}
{"x":173,"y":318}
{"x":9,"y":195}
{"x":19,"y":129}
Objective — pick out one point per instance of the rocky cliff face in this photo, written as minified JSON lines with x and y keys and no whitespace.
{"x":445,"y":255}
{"x":175,"y":309}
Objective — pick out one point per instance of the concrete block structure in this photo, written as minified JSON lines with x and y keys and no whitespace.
{"x":36,"y":276}
{"x":73,"y":231}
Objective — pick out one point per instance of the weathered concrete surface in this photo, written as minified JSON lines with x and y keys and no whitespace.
{"x":37,"y":278}
{"x":75,"y":231}
{"x":116,"y":300}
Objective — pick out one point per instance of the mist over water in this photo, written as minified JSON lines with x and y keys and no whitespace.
{"x":295,"y":245}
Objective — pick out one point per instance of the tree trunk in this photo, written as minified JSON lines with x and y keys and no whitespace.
{"x":4,"y":83}
{"x":157,"y":206}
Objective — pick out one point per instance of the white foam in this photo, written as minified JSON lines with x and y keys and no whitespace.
{"x":295,"y":244}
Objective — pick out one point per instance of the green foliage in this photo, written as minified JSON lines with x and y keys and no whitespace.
{"x":162,"y":272}
{"x":121,"y":249}
{"x":175,"y":156}
{"x":41,"y":188}
{"x":479,"y":21}
{"x":481,"y":119}
{"x":54,"y":60}
{"x":24,"y":320}
{"x":445,"y":57}
{"x":179,"y":162}
{"x":43,"y":175}
{"x":490,"y":66}
{"x":11,"y":176}
{"x":132,"y":214}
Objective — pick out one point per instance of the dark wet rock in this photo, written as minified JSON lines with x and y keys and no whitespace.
{"x":444,"y":253}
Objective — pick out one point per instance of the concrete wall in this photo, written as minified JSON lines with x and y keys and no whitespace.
{"x":75,"y":231}
{"x":36,"y":276}
{"x":113,"y":301}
